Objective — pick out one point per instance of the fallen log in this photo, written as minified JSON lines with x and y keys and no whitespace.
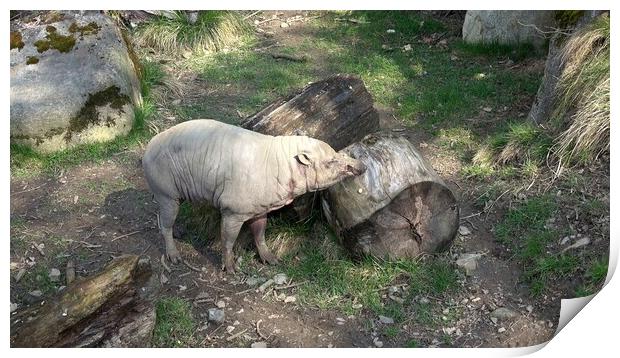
{"x":103,"y":310}
{"x":398,"y":208}
{"x":338,"y":110}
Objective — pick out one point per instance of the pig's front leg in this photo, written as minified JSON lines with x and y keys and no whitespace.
{"x":231,"y":225}
{"x":257,"y":226}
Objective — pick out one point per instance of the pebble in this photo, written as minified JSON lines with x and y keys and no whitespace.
{"x":424,"y":301}
{"x":469,"y":262}
{"x":340,"y":321}
{"x":407,"y":47}
{"x":487,"y":109}
{"x":386,"y":320}
{"x":284,"y":25}
{"x":357,"y":306}
{"x":216,"y":315}
{"x":54,"y":275}
{"x":290,"y":299}
{"x":259,"y":345}
{"x":390,"y":31}
{"x":501,"y":330}
{"x":504,"y":313}
{"x":464,"y":230}
{"x":377,"y":342}
{"x":36,"y":293}
{"x":229,"y":329}
{"x":280,"y":279}
{"x":253,"y":281}
{"x":13,"y":307}
{"x":529,"y":308}
{"x":220,"y":304}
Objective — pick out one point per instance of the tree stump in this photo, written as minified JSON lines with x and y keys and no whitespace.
{"x":103,"y":310}
{"x":398,"y":208}
{"x":338,"y":110}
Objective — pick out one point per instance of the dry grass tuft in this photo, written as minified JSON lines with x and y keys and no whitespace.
{"x":582,"y":105}
{"x":212,"y":31}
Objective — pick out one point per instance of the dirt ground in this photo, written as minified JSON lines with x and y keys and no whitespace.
{"x":94,"y":212}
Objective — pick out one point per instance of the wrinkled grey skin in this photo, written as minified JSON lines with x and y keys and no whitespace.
{"x":242,"y":173}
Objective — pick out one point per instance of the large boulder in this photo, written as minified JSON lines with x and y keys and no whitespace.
{"x":507,"y":26}
{"x":73,"y":80}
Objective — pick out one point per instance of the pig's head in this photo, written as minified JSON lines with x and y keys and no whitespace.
{"x":324,"y":167}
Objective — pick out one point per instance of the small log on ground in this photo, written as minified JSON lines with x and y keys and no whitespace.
{"x":398,"y":208}
{"x":103,"y":310}
{"x":338,"y":110}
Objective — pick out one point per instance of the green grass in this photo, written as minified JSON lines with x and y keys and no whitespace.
{"x":514,"y":52}
{"x":174,"y":326}
{"x":37,"y":278}
{"x":340,"y":283}
{"x":523,"y":231}
{"x":594,"y":277}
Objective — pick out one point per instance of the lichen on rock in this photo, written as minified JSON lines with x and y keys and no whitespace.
{"x":55,"y":40}
{"x":89,"y":113}
{"x":31,"y":60}
{"x":16,"y":40}
{"x":89,"y":29}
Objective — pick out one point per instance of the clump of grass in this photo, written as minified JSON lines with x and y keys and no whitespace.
{"x":517,"y":52}
{"x":523,"y":231}
{"x":582,"y":103}
{"x":594,"y":277}
{"x":212,"y":31}
{"x":174,"y":324}
{"x":518,"y":143}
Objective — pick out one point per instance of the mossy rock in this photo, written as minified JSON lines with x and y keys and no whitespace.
{"x":72,"y":82}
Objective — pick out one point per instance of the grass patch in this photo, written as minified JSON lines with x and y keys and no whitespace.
{"x":174,"y":325}
{"x":523,"y":231}
{"x":212,"y":31}
{"x":594,"y":278}
{"x":516,"y":52}
{"x":37,"y":278}
{"x":337,"y":282}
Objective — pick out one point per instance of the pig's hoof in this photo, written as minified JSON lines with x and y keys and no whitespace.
{"x":229,"y":267}
{"x":270,"y":258}
{"x":173,"y":256}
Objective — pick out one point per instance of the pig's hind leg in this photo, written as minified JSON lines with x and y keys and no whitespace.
{"x":257,"y":226}
{"x":168,"y":210}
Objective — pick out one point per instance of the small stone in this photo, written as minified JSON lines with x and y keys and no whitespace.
{"x":290,"y":299}
{"x":220,"y":304}
{"x":330,"y":333}
{"x":529,"y":308}
{"x":284,"y":25}
{"x":504,"y":313}
{"x":330,"y":346}
{"x":494,"y":320}
{"x":464,"y":230}
{"x":487,"y":109}
{"x":75,"y":199}
{"x":163,"y":279}
{"x":444,"y":318}
{"x":259,"y":345}
{"x":424,"y":301}
{"x":446,"y":311}
{"x":216,"y":315}
{"x":229,"y":329}
{"x":182,"y":288}
{"x":340,"y":321}
{"x":579,"y":243}
{"x":501,"y":330}
{"x":13,"y":307}
{"x":280,"y":279}
{"x":407,"y":47}
{"x":236,"y":323}
{"x":390,"y":31}
{"x":469,"y":262}
{"x":449,"y":330}
{"x":176,"y":102}
{"x":36,"y":293}
{"x":386,"y":320}
{"x":360,"y":190}
{"x":458,"y":332}
{"x":377,"y":342}
{"x":253,"y":281}
{"x":357,"y":306}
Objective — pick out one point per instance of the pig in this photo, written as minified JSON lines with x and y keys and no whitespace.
{"x":243,"y":174}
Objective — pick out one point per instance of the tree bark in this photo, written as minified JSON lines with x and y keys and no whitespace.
{"x":398,"y":208}
{"x":102,"y":310}
{"x":338,"y":110}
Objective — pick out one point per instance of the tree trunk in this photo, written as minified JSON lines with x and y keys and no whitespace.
{"x":102,"y":310}
{"x":398,"y":208}
{"x":338,"y":110}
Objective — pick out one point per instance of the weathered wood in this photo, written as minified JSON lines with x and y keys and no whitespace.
{"x":398,"y":208}
{"x":338,"y":110}
{"x":102,"y":310}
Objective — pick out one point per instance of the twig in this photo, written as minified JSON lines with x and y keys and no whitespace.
{"x":471,"y":216}
{"x":268,"y":20}
{"x":88,"y":245}
{"x":252,"y":14}
{"x":193,"y":268}
{"x":236,"y":335}
{"x":493,"y":203}
{"x":122,"y":236}
{"x":355,"y":21}
{"x":290,"y":57}
{"x":258,"y":329}
{"x":90,"y":234}
{"x":245,"y":291}
{"x":31,"y":189}
{"x":289,"y":286}
{"x":267,"y":47}
{"x":163,"y":263}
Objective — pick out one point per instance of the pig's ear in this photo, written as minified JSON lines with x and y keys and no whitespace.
{"x":303,"y":159}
